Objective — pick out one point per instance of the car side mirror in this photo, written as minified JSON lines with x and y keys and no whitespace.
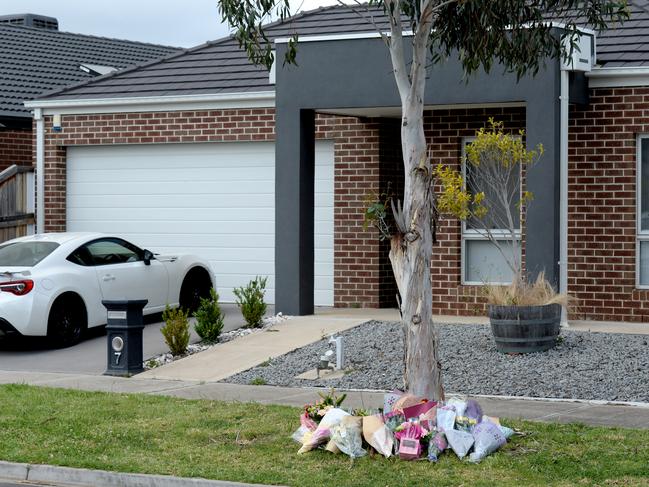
{"x":148,"y":257}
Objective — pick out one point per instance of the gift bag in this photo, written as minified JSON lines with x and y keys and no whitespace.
{"x":418,"y":409}
{"x":409,"y":435}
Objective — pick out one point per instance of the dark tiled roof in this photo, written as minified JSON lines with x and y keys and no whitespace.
{"x":218,"y":66}
{"x":626,"y":45}
{"x":221,"y":66}
{"x":35,"y":61}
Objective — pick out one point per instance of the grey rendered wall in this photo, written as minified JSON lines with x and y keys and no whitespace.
{"x":357,"y":74}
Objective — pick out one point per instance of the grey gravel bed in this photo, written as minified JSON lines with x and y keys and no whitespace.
{"x":585,"y":365}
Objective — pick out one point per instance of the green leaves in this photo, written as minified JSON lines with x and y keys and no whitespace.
{"x":247,"y":18}
{"x":517,"y":33}
{"x":175,"y":330}
{"x":494,"y":144}
{"x":250,"y":300}
{"x":209,"y":318}
{"x":376,"y":213}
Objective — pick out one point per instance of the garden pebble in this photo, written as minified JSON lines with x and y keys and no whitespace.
{"x":584,"y":365}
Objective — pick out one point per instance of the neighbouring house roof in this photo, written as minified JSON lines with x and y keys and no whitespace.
{"x":34,"y":61}
{"x":219,"y":66}
{"x":222,"y":67}
{"x":626,"y":45}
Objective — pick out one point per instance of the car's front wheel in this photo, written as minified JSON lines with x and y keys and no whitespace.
{"x":197,"y":285}
{"x":67,"y":321}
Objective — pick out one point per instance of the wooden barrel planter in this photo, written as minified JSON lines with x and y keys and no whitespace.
{"x":525,"y":329}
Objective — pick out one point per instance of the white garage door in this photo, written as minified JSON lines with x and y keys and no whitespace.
{"x":214,"y":200}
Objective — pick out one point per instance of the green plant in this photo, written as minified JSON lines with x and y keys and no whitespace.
{"x":250,"y":300}
{"x":266,"y":363}
{"x":488,"y":197}
{"x":209,"y":318}
{"x":176,"y":330}
{"x":327,"y":401}
{"x":258,"y":381}
{"x":377,"y":213}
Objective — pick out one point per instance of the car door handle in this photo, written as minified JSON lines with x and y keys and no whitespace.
{"x":107,"y":278}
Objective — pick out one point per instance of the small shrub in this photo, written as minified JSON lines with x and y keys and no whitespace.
{"x":209,"y":318}
{"x":258,"y":381}
{"x":176,"y":330}
{"x":250,"y":300}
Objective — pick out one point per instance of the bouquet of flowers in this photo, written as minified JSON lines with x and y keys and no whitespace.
{"x":413,"y":428}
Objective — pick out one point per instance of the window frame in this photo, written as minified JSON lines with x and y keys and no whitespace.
{"x":641,"y":235}
{"x":468,"y":234}
{"x":120,"y":241}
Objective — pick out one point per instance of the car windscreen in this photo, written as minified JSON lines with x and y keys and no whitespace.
{"x":25,"y":254}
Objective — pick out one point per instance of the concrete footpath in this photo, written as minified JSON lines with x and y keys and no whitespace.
{"x":596,"y":413}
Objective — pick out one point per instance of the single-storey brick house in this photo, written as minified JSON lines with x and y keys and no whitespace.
{"x":36,"y":57}
{"x":204,"y":152}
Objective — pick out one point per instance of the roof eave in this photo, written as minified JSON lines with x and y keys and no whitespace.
{"x":618,"y":77}
{"x":256,"y":99}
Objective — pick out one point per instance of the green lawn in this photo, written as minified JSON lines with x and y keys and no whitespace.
{"x":251,"y":443}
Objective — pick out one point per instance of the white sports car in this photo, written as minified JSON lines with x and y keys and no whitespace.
{"x":53,"y":284}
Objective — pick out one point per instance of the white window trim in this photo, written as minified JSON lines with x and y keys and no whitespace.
{"x":641,"y":235}
{"x":468,"y":234}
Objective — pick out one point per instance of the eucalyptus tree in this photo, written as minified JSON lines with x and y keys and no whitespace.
{"x":517,"y":35}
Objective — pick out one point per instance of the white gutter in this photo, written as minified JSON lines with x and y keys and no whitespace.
{"x":375,"y":35}
{"x":615,"y":77}
{"x":256,"y":99}
{"x":563,"y":188}
{"x":342,"y":37}
{"x":40,"y":170}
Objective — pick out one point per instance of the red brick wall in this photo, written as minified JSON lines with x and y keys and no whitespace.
{"x":356,"y":142}
{"x":445,"y":130}
{"x":602,"y":204}
{"x":357,"y":273}
{"x":15,"y":148}
{"x":602,"y":191}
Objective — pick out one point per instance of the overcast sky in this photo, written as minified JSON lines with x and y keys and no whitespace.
{"x":171,"y":22}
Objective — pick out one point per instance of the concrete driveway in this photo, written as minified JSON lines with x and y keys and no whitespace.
{"x":89,"y":356}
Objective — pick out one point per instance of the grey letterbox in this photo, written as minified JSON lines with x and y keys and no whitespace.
{"x":124,"y":333}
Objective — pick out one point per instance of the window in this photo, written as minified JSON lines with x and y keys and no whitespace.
{"x":482,"y":261}
{"x":642,"y":257}
{"x":106,"y":252}
{"x":25,"y":254}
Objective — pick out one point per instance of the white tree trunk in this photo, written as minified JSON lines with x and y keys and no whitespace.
{"x":411,"y":249}
{"x":410,"y":255}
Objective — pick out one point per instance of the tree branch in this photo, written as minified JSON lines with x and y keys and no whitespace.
{"x":397,"y":55}
{"x":369,"y":19}
{"x":420,"y":46}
